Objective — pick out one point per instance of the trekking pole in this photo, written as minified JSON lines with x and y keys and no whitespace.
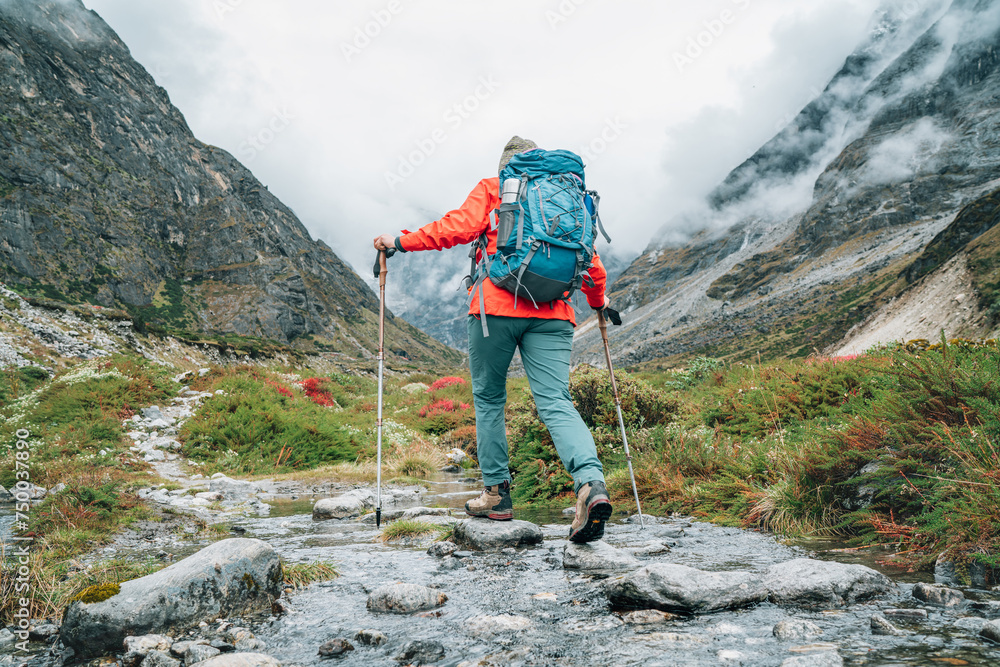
{"x":602,"y":323}
{"x":380,"y":270}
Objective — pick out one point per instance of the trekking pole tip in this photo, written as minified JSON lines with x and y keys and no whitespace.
{"x":378,"y":517}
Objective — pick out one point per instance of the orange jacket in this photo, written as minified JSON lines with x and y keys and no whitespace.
{"x":464,"y":225}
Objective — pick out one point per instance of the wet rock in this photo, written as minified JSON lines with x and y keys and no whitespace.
{"x":451,"y":467}
{"x":796,"y":629}
{"x":938,"y":595}
{"x":199,"y":652}
{"x":5,"y":495}
{"x":404,"y":598}
{"x":814,"y":582}
{"x":973,"y":624}
{"x":488,"y":625}
{"x":991,"y":631}
{"x":136,"y":648}
{"x":232,"y":575}
{"x":597,"y":556}
{"x":909,"y":614}
{"x":222,"y":645}
{"x":240,"y":660}
{"x":342,"y":507}
{"x":967,"y":573}
{"x":370,"y":637}
{"x":233,"y":489}
{"x":442,"y":549}
{"x":646,"y":519}
{"x":244,"y":640}
{"x":824,"y":659}
{"x":671,"y":587}
{"x":42,"y":631}
{"x":647,"y":617}
{"x":157,"y":658}
{"x":880,"y":626}
{"x":421,"y":652}
{"x":335,"y":648}
{"x":486,"y":535}
{"x":569,"y":511}
{"x":456,"y":456}
{"x":652,"y":548}
{"x":178,"y":648}
{"x":6,"y":637}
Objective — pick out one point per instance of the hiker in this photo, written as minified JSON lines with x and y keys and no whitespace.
{"x":500,"y":322}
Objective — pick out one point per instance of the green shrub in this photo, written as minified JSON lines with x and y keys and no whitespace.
{"x":254,"y":428}
{"x":754,"y":401}
{"x":642,"y":404}
{"x":539,"y":473}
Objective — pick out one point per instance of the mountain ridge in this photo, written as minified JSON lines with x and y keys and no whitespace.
{"x":107,"y":197}
{"x":814,"y":234}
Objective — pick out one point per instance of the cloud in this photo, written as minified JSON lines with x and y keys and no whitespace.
{"x":373,"y":86}
{"x":903,"y":154}
{"x":779,"y":181}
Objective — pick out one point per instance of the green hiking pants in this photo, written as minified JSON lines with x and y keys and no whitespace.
{"x":545,"y":347}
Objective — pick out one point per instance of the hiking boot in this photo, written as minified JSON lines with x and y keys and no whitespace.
{"x":593,"y":509}
{"x":494,"y":503}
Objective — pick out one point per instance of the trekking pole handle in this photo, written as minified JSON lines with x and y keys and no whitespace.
{"x":380,"y":268}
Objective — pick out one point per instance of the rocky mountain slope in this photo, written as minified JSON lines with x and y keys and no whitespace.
{"x":884,"y":183}
{"x":106,"y":197}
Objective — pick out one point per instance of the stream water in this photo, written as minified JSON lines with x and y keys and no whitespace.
{"x":570,"y":622}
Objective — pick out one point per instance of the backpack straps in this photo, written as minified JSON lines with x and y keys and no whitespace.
{"x":477,"y":275}
{"x":596,"y":213}
{"x":522,"y":199}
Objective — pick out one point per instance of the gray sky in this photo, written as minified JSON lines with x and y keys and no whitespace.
{"x":372,"y":116}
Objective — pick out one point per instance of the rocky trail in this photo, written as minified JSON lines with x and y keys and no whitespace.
{"x":676,"y":592}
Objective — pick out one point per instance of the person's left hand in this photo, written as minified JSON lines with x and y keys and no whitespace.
{"x":385,"y":241}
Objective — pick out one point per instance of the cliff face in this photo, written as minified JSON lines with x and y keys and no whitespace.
{"x":107,"y":197}
{"x":840,"y":211}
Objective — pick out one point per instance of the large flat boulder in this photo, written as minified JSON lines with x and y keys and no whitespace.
{"x":806,"y":581}
{"x":232,"y":576}
{"x":404,"y":598}
{"x":345,"y":506}
{"x":486,"y":535}
{"x":597,"y":556}
{"x":679,"y":588}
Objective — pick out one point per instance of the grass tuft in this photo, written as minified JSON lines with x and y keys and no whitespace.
{"x":303,"y":574}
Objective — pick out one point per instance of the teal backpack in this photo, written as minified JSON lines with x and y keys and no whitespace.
{"x":545,"y":236}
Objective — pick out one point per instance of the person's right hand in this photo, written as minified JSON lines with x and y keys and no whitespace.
{"x":385,"y":241}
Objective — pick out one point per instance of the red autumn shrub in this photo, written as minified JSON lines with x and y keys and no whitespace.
{"x":315,"y":389}
{"x":284,"y":391}
{"x":445,"y":382}
{"x":442,"y":406}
